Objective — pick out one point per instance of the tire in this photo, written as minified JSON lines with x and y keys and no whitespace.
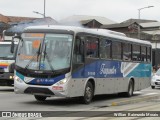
{"x":153,"y":87}
{"x":129,"y":93}
{"x":88,"y":93}
{"x":40,"y":98}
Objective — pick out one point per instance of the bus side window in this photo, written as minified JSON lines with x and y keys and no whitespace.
{"x":126,"y":51}
{"x":136,"y":56}
{"x":116,"y":50}
{"x":148,"y":54}
{"x":105,"y":49}
{"x":92,"y":49}
{"x":143,"y":53}
{"x":78,"y":56}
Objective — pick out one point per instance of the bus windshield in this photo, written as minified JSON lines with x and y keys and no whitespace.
{"x":39,"y":51}
{"x":5,"y":51}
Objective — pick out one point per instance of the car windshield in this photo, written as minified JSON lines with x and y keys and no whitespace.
{"x":44,"y":51}
{"x":5,"y":51}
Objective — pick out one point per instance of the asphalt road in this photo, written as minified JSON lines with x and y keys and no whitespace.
{"x":22,"y":102}
{"x":144,"y":100}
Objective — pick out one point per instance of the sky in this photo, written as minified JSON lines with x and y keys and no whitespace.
{"x":116,"y":10}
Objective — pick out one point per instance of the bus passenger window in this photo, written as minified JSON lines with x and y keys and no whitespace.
{"x":148,"y":54}
{"x":116,"y":50}
{"x":126,"y":51}
{"x":143,"y":53}
{"x":136,"y":56}
{"x":105,"y":49}
{"x":92,"y":47}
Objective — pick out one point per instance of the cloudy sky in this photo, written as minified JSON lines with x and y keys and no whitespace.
{"x":116,"y":10}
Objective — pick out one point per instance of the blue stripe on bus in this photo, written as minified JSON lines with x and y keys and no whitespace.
{"x":113,"y":69}
{"x":20,"y":75}
{"x":41,"y":81}
{"x":46,"y":81}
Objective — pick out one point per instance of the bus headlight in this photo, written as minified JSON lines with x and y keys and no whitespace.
{"x":61,"y":82}
{"x":16,"y":78}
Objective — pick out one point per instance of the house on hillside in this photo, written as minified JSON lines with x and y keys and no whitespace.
{"x":15,"y":24}
{"x":130,"y":28}
{"x":18,"y":27}
{"x":7,"y":21}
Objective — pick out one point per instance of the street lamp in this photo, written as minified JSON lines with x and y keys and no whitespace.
{"x":44,"y":8}
{"x":139,"y":17}
{"x":39,"y":13}
{"x":43,"y":14}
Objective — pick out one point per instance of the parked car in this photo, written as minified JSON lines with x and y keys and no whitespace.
{"x":155,"y":81}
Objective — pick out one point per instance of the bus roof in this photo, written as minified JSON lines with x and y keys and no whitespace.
{"x":101,"y":32}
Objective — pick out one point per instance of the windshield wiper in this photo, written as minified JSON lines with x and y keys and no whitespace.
{"x":37,"y":53}
{"x":46,"y":56}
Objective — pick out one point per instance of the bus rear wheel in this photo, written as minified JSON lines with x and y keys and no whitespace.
{"x":129,"y":93}
{"x":88,"y":94}
{"x":40,"y":98}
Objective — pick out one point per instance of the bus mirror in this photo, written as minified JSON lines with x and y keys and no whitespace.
{"x":12,"y":46}
{"x":12,"y":43}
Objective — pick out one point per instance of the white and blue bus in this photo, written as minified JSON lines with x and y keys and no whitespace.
{"x":79,"y":62}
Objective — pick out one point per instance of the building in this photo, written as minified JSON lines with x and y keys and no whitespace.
{"x":17,"y":28}
{"x":86,"y":21}
{"x":6,"y":21}
{"x":15,"y":25}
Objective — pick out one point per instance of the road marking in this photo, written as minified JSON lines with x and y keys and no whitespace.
{"x":135,"y":100}
{"x":150,"y":94}
{"x":4,"y":92}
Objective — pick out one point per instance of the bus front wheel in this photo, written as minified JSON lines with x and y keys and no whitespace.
{"x":153,"y":87}
{"x":88,"y":94}
{"x":40,"y":98}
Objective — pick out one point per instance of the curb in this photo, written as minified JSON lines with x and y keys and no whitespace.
{"x":135,"y":100}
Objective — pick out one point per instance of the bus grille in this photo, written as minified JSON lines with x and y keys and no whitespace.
{"x":33,"y":90}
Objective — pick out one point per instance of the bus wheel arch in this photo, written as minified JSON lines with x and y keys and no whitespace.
{"x":88,"y":91}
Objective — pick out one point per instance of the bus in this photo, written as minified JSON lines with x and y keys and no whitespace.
{"x":69,"y":61}
{"x":7,"y":60}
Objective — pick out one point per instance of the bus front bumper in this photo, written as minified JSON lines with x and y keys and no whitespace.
{"x":23,"y":88}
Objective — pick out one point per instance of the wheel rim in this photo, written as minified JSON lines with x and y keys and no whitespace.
{"x":88,"y":93}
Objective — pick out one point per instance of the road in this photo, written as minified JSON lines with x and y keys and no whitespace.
{"x":145,"y":100}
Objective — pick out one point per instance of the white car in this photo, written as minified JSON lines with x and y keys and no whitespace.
{"x":155,"y":81}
